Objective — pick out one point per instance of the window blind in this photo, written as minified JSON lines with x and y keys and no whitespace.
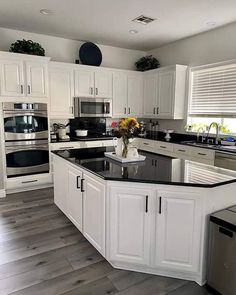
{"x":213,"y":91}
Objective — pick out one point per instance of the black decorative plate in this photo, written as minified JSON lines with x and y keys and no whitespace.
{"x":90,"y":54}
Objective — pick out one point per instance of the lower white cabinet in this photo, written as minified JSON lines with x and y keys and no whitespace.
{"x":94,"y":212}
{"x":178,"y":230}
{"x":60,"y":183}
{"x":130,"y":224}
{"x":75,"y":197}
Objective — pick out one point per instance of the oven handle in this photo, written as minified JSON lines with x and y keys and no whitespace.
{"x":25,"y":148}
{"x":14,"y":114}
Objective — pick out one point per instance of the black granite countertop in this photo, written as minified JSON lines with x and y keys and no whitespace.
{"x":155,"y":169}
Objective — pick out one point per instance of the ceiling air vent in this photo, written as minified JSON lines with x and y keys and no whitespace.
{"x":144,"y":20}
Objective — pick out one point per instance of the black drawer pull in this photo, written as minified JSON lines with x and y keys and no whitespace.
{"x":29,"y":181}
{"x":160,"y":199}
{"x":183,"y":151}
{"x":201,"y":154}
{"x":82,"y":185}
{"x":163,"y":147}
{"x":226,"y":232}
{"x":77,"y":181}
{"x":146,"y":209}
{"x":145,"y":143}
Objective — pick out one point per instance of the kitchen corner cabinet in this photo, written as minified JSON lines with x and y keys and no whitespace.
{"x":93,"y":83}
{"x":164,"y":92}
{"x":127,"y":94}
{"x":130,"y":224}
{"x":61,"y":86}
{"x":178,"y":230}
{"x":23,"y":75}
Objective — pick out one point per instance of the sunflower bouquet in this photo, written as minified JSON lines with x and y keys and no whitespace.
{"x":125,"y":129}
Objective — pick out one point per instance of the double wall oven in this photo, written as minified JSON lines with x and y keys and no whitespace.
{"x":26,"y":138}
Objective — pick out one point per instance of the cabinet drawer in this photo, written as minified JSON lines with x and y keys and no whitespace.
{"x":168,"y":147}
{"x":147,"y":145}
{"x":202,"y":153}
{"x":181,"y":149}
{"x":28,"y":181}
{"x":96,"y":143}
{"x":66,"y":145}
{"x":109,"y":143}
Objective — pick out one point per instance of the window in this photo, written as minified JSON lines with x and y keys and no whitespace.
{"x":213,"y":97}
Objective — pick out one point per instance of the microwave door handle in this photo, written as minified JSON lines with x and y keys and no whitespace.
{"x":105,"y":108}
{"x":25,"y":148}
{"x":18,"y":114}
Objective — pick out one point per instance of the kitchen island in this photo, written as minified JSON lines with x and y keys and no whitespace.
{"x":150,"y":216}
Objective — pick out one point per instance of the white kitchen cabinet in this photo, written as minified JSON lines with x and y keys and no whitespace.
{"x":130,"y":224}
{"x":60,"y":180}
{"x":37,"y":79}
{"x":93,"y":83}
{"x":120,"y":94}
{"x":135,"y":95}
{"x":75,"y":197}
{"x":150,"y":103}
{"x":164,"y":92}
{"x":94,"y":212}
{"x":61,"y":85}
{"x":23,"y":75}
{"x":127,"y":94}
{"x":84,"y":82}
{"x":12,"y":77}
{"x":178,"y":230}
{"x":103,"y":84}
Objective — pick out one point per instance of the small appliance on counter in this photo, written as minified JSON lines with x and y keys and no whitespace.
{"x":60,"y":129}
{"x":142,"y":129}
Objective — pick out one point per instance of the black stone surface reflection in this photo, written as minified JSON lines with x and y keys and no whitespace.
{"x":155,"y":169}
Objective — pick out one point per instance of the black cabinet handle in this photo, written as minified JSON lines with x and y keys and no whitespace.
{"x":162,"y":147}
{"x":160,"y":199}
{"x":146,"y":209}
{"x":201,"y":154}
{"x":77,"y":181}
{"x":82,"y":185}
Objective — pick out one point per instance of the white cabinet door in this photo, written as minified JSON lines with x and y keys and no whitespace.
{"x":150,"y":106}
{"x":61,"y":92}
{"x":60,"y":183}
{"x":94,"y":213}
{"x":75,"y":197}
{"x":178,"y":230}
{"x":166,"y":92}
{"x":36,"y":79}
{"x":135,"y":95}
{"x":84,"y":83}
{"x":120,"y":94}
{"x":103,"y":84}
{"x":12,"y":78}
{"x":130,"y":224}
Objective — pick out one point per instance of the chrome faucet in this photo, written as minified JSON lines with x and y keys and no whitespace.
{"x":198,"y":133}
{"x":217,"y":140}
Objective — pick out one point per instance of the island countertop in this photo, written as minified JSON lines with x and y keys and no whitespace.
{"x":156,"y":169}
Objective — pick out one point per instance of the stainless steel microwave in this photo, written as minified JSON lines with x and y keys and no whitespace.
{"x":92,"y":107}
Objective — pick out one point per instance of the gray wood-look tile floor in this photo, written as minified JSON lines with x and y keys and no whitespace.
{"x":42,"y":253}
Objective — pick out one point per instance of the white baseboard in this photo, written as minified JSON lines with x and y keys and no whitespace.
{"x":2,"y":193}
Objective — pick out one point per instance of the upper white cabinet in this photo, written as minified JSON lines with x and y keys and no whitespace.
{"x":12,"y":78}
{"x":130,"y":224}
{"x":61,"y":87}
{"x":127,"y":94}
{"x":178,"y":230}
{"x":93,"y":83}
{"x":23,"y":75}
{"x":164,"y":92}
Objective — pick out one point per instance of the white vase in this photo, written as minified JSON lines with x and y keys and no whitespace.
{"x":119,"y":147}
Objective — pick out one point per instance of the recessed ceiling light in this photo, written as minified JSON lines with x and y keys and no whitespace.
{"x":144,"y":20}
{"x":211,"y":24}
{"x":133,"y":31}
{"x":46,"y":11}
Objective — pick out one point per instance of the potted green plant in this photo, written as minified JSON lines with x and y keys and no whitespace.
{"x":27,"y":47}
{"x":147,"y":63}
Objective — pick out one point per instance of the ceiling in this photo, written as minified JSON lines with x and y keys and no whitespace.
{"x":108,"y":21}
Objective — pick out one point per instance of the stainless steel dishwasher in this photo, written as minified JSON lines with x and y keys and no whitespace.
{"x":221,"y":274}
{"x":225,"y":160}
